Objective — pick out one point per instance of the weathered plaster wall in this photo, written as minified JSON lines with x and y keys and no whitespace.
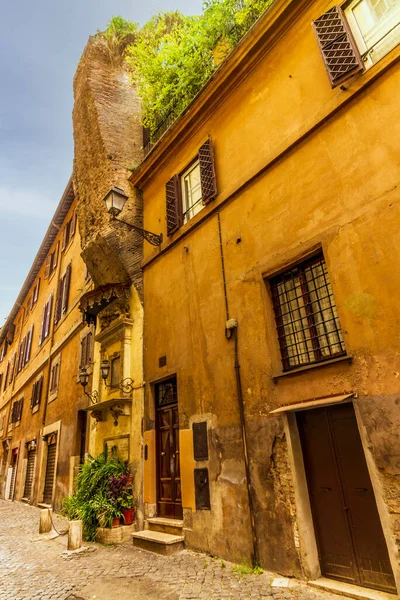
{"x":64,"y":340}
{"x":337,"y":190}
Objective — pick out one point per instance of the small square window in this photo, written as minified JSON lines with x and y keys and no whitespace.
{"x":305,"y":313}
{"x":375,"y":25}
{"x":191,"y":192}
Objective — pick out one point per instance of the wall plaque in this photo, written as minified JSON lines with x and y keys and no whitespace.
{"x":200,"y":444}
{"x":202,"y":489}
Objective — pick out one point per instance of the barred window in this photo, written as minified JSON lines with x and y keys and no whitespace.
{"x":305,"y":313}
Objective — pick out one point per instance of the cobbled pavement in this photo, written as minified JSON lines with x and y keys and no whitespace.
{"x":32,"y":568}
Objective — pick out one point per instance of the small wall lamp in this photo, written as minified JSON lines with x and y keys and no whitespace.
{"x":115,"y":201}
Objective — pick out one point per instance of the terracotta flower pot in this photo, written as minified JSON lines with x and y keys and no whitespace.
{"x":128,"y":514}
{"x":115,"y":522}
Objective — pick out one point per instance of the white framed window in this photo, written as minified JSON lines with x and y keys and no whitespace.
{"x":375,"y":25}
{"x":191,"y":192}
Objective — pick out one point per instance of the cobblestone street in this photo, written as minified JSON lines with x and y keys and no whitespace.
{"x":37,"y":569}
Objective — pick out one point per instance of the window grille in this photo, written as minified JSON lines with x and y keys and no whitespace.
{"x":305,"y":313}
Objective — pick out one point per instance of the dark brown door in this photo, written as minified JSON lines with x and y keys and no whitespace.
{"x":349,"y":534}
{"x":50,"y":469}
{"x":29,"y":474}
{"x":168,"y":467}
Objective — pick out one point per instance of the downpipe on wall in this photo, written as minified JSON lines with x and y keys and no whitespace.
{"x":231,"y":332}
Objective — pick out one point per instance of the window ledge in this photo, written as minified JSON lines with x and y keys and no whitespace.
{"x":35,"y":409}
{"x":347,"y":358}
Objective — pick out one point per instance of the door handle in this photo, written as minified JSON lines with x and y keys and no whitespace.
{"x":162,"y":453}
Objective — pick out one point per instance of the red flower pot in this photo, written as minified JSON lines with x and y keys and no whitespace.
{"x":115,"y":522}
{"x":128,"y":514}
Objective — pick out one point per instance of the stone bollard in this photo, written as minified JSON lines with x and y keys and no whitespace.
{"x":45,"y":521}
{"x":74,"y":535}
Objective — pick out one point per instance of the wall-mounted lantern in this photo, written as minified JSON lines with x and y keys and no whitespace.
{"x":115,"y":201}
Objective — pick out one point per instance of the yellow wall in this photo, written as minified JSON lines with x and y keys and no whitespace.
{"x":335,"y":186}
{"x":64,"y":338}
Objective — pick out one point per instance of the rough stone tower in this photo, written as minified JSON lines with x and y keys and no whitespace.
{"x":108,"y":143}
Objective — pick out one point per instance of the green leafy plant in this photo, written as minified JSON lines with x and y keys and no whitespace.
{"x":172,"y":56}
{"x":94,"y":501}
{"x":248,"y":570}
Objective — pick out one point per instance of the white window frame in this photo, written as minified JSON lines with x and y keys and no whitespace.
{"x":358,"y":36}
{"x":190,"y":210}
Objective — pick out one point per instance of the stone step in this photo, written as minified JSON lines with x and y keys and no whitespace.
{"x":172,"y":526}
{"x":156,"y":541}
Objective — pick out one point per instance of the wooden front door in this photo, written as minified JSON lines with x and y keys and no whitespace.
{"x":169,"y":499}
{"x":350,"y":540}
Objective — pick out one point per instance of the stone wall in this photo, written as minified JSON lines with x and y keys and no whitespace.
{"x":108,"y":143}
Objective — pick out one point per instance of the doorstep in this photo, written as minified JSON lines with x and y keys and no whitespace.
{"x":349,"y":590}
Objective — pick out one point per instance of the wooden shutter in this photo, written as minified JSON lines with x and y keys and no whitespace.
{"x":47,"y":267}
{"x":65,"y":289}
{"x":12,"y":369}
{"x":338,"y":48}
{"x":48,"y":317}
{"x":207,"y":172}
{"x":84,"y":351}
{"x":35,"y":295}
{"x":73,"y":225}
{"x":28,"y":345}
{"x":20,"y":405}
{"x":173,"y":205}
{"x":64,"y":237}
{"x":55,"y":256}
{"x":57,"y":310}
{"x":6,"y":377}
{"x":41,"y":332}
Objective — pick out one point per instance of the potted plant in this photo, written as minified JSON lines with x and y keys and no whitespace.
{"x":127,"y":508}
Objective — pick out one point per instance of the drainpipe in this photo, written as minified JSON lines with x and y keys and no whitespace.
{"x":231,"y":332}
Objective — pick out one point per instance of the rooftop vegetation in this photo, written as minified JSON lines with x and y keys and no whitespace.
{"x":172,"y":56}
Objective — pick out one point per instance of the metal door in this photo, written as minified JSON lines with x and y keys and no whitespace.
{"x":350,"y":540}
{"x":30,"y":468}
{"x":50,"y":470}
{"x":168,"y":465}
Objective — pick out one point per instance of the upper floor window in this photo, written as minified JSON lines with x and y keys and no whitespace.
{"x":37,"y":392}
{"x":62,"y":294}
{"x":16,"y":411}
{"x":354,"y":37}
{"x":46,"y":316}
{"x":305,"y":314}
{"x":51,"y":261}
{"x":54,"y":377}
{"x":375,"y":25}
{"x":68,"y":231}
{"x":86,"y":350}
{"x":24,"y":351}
{"x":191,"y":192}
{"x":35,"y":293}
{"x":188,"y":192}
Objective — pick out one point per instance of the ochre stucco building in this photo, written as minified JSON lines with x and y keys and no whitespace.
{"x":270,"y":349}
{"x":259,"y":340}
{"x":43,"y":425}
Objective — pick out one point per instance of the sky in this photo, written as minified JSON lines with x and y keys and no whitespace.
{"x":40,"y":46}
